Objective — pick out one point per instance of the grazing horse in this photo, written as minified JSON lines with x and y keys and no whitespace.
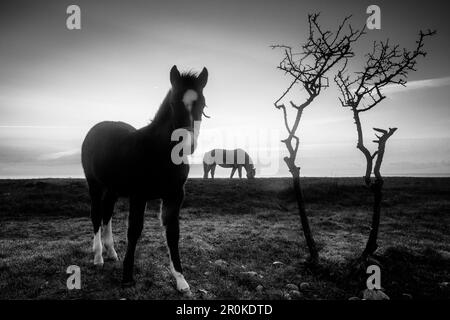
{"x":235,"y":159}
{"x":121,"y":161}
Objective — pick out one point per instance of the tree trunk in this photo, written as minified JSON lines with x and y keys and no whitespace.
{"x":314,"y":256}
{"x":371,"y":245}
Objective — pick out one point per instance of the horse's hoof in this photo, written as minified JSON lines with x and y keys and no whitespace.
{"x":187,"y":293}
{"x":128,"y":283}
{"x":182,"y":286}
{"x":98,"y":261}
{"x":98,"y":264}
{"x":112,"y":258}
{"x":111,"y":255}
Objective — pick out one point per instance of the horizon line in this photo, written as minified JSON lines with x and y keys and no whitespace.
{"x":427,"y":175}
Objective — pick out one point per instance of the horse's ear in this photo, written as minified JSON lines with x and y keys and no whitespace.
{"x":174,"y":76}
{"x":203,"y":77}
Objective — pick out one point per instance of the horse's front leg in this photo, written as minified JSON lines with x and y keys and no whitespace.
{"x":206,"y":169}
{"x":170,"y":210}
{"x":232,"y":172}
{"x":135,"y":226}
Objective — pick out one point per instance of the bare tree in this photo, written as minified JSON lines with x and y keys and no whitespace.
{"x":386,"y":65}
{"x":308,"y":68}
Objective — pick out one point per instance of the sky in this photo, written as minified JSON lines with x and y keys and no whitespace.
{"x":56,"y":83}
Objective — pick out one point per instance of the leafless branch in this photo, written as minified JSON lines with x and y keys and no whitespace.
{"x":385,"y":65}
{"x":381,"y":147}
{"x":308,"y":67}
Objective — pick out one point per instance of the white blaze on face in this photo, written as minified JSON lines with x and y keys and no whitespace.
{"x":189,"y":97}
{"x":188,"y":134}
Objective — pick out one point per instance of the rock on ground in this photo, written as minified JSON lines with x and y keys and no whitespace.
{"x":375,"y":294}
{"x":291,"y":286}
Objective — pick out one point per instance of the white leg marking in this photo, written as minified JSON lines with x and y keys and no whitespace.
{"x":109,"y":242}
{"x":182,"y":284}
{"x":97,"y":248}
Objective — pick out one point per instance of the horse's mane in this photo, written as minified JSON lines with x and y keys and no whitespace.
{"x":163,"y":110}
{"x":189,"y":76}
{"x":187,"y":80}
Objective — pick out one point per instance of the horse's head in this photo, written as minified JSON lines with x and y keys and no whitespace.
{"x":186,"y":97}
{"x":251,"y":172}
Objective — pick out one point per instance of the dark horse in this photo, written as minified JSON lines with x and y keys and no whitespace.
{"x":235,"y":159}
{"x":121,"y":161}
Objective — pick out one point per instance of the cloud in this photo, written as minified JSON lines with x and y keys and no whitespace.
{"x":419,"y":84}
{"x":59,"y":155}
{"x":34,"y":127}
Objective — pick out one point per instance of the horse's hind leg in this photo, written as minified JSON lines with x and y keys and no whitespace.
{"x":213,"y":170}
{"x":95,"y":192}
{"x":108,"y":201}
{"x":135,"y":225}
{"x":240,"y":172}
{"x":205,"y":170}
{"x":169,"y":218}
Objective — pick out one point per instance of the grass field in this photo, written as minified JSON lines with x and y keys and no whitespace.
{"x":246,"y":225}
